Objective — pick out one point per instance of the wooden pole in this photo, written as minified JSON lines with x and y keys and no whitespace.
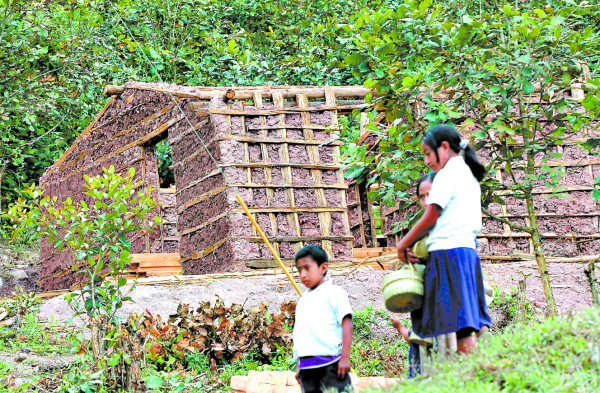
{"x":244,"y":92}
{"x":229,"y":95}
{"x":112,"y":90}
{"x":262,"y":235}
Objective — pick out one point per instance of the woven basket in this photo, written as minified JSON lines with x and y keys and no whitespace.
{"x":403,"y":289}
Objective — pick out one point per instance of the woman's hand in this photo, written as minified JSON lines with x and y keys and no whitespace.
{"x":403,"y":251}
{"x":411,"y":256}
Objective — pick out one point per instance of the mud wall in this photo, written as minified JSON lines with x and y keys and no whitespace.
{"x":274,"y":159}
{"x":569,"y":223}
{"x":279,"y":156}
{"x":360,"y":215}
{"x":121,"y":135}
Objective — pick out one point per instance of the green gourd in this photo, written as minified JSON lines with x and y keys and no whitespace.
{"x":420,"y":248}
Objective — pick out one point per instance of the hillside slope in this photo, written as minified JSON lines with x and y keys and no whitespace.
{"x":557,"y":355}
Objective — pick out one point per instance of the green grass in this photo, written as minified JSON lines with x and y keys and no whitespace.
{"x":557,"y":355}
{"x":31,"y":334}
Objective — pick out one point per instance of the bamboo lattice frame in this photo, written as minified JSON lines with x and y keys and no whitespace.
{"x":265,"y":138}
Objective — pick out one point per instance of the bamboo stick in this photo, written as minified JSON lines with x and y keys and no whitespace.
{"x":262,"y":235}
{"x":290,"y":209}
{"x":284,"y":165}
{"x":257,"y":185}
{"x":247,"y":92}
{"x":265,"y":112}
{"x":254,"y":139}
{"x":293,"y":239}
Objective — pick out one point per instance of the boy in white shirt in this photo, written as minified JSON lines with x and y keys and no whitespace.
{"x":323,"y":327}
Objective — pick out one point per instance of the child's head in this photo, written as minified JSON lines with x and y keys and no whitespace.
{"x":442,"y":143}
{"x":423,"y":187}
{"x":312,"y":263}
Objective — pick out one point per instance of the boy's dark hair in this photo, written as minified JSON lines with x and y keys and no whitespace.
{"x":441,"y":133}
{"x":315,"y":252}
{"x":426,"y":177}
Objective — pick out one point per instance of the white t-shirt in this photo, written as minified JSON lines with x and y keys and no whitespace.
{"x":318,"y":325}
{"x":457,"y":192}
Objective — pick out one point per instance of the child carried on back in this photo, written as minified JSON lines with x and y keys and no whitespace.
{"x":323,"y":327}
{"x":419,"y":348}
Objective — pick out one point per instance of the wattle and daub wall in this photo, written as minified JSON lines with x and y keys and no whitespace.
{"x":279,"y":156}
{"x":569,"y":223}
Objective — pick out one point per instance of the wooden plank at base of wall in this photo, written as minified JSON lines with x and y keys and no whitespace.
{"x":156,"y":259}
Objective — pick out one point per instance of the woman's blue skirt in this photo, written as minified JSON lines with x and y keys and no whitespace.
{"x":454,"y":296}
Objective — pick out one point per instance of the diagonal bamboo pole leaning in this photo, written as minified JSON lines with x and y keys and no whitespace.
{"x":262,"y":235}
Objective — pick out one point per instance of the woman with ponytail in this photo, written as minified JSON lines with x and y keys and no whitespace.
{"x":454,"y":299}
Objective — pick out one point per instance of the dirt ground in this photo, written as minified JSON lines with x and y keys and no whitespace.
{"x":25,"y":363}
{"x":19,"y":267}
{"x":571,"y":290}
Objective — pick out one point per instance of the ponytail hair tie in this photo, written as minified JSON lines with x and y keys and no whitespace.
{"x":463,"y":144}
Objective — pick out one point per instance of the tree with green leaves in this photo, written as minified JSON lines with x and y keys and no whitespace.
{"x":98,"y":235}
{"x":503,"y":75}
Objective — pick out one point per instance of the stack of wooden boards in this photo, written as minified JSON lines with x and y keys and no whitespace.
{"x":372,"y":252}
{"x":156,"y":265}
{"x":145,"y":265}
{"x":378,"y":258}
{"x":152,"y":265}
{"x":285,"y":382}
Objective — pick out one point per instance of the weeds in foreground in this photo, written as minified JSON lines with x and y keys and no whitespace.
{"x":507,"y":304}
{"x":556,"y":355}
{"x":372,"y":354}
{"x":560,"y":354}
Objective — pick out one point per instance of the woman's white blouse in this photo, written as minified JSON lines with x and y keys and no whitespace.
{"x":457,"y":192}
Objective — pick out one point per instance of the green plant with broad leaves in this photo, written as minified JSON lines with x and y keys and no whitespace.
{"x":503,"y":75}
{"x":97,"y":233}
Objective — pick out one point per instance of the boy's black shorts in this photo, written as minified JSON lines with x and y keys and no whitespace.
{"x":316,"y":380}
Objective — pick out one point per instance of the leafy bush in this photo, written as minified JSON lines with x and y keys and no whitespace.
{"x":96,"y":234}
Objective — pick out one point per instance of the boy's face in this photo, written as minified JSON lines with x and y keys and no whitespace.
{"x":424,"y":189}
{"x":311,"y":274}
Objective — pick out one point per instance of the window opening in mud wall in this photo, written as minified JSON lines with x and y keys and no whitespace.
{"x":159,"y":174}
{"x":165,"y":160}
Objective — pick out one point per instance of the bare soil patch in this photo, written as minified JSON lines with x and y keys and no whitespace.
{"x":571,"y":290}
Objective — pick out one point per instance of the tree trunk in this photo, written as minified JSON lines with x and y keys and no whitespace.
{"x":522,"y":302}
{"x":2,"y":168}
{"x":95,"y":339}
{"x":533,"y":223}
{"x":590,"y":273}
{"x":134,"y":369}
{"x":540,"y":258}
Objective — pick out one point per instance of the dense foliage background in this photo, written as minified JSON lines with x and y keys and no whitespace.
{"x":56,"y":56}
